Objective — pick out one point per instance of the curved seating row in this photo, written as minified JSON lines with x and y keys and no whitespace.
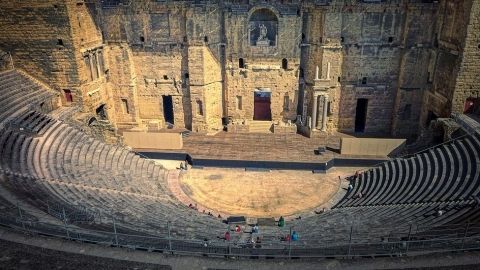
{"x":18,"y":93}
{"x":50,"y":161}
{"x":449,"y":172}
{"x":46,"y":162}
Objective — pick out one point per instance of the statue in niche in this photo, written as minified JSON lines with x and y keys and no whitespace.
{"x":262,"y":37}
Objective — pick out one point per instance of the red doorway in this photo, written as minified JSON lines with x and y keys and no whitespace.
{"x":261,"y":106}
{"x":68,"y":95}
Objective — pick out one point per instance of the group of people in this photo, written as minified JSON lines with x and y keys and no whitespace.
{"x":290,"y":237}
{"x":195,"y":207}
{"x":227,"y":235}
{"x":359,"y":195}
{"x":254,"y":239}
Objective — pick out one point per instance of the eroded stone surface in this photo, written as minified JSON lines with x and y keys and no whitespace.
{"x":412,"y":60}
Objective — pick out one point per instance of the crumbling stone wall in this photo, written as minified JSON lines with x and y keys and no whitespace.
{"x":379,"y":46}
{"x":416,"y":54}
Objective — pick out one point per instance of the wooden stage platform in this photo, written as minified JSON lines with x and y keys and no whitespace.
{"x":259,"y":147}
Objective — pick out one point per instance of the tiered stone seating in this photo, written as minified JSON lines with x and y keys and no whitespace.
{"x":18,"y":93}
{"x":449,"y":172}
{"x":373,"y":222}
{"x":48,"y":162}
{"x":406,"y":191}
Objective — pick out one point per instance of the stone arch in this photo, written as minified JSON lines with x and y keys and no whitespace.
{"x":263,"y":26}
{"x":101,"y":112}
{"x":92,"y":121}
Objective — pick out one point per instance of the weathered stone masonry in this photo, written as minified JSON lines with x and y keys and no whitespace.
{"x":141,"y":64}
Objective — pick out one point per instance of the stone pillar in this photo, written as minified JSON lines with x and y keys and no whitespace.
{"x":314,"y":112}
{"x":319,"y":113}
{"x":92,"y":71}
{"x":316,"y":73}
{"x":328,"y":71}
{"x":325,"y":110}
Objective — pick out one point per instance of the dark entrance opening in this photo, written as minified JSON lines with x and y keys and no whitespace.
{"x":68,"y":95}
{"x":261,"y":106}
{"x":101,"y":112}
{"x":471,"y":105}
{"x":431,"y":116}
{"x":92,"y":121}
{"x":168,"y":109}
{"x":361,"y":114}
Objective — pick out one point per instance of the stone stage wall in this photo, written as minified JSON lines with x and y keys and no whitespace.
{"x":120,"y":60}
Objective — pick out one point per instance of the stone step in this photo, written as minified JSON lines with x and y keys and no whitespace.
{"x":260,"y":127}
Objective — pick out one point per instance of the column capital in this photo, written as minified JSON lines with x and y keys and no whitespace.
{"x":320,"y":93}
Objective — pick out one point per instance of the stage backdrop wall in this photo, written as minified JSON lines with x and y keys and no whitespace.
{"x":153,"y":140}
{"x":371,"y":146}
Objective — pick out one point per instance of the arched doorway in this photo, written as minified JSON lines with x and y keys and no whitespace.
{"x":92,"y":121}
{"x":101,"y":112}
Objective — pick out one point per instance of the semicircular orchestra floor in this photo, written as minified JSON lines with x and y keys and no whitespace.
{"x":261,"y":194}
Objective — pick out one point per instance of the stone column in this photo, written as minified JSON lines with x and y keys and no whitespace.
{"x":325,"y":110}
{"x":319,"y":113}
{"x":328,"y":71}
{"x":314,"y":112}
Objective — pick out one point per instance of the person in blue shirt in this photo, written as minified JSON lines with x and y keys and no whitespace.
{"x":294,"y":236}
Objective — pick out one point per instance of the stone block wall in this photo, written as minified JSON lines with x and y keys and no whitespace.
{"x":39,"y":37}
{"x":122,"y":85}
{"x":205,"y":89}
{"x":455,"y":19}
{"x":59,"y":43}
{"x":467,"y":84}
{"x":370,"y":66}
{"x":411,"y":59}
{"x":263,"y":67}
{"x":416,"y":58}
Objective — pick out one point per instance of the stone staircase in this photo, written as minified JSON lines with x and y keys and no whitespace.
{"x":260,"y":127}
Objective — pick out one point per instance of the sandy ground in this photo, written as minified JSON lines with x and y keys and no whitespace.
{"x":261,"y":194}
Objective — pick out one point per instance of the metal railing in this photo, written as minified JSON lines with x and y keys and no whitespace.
{"x":407,"y":241}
